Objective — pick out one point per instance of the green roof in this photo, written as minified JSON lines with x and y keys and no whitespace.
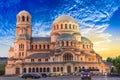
{"x":66,"y":37}
{"x":85,"y":40}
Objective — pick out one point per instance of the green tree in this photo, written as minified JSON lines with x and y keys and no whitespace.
{"x":116,"y":63}
{"x":109,"y":59}
{"x":2,"y":68}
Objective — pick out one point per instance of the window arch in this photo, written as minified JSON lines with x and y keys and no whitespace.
{"x":39,"y":46}
{"x":48,"y":46}
{"x":23,"y":18}
{"x":68,"y":57}
{"x":48,"y":69}
{"x":37,"y":70}
{"x":27,"y":18}
{"x":57,"y":69}
{"x":67,"y":43}
{"x":24,"y":70}
{"x":44,"y":69}
{"x":40,"y":69}
{"x":33,"y":69}
{"x":35,"y":46}
{"x":54,"y":69}
{"x":31,"y":46}
{"x":73,"y":26}
{"x":62,"y":43}
{"x":29,"y":69}
{"x":61,"y":26}
{"x":65,"y":26}
{"x":69,"y":26}
{"x":43,"y":46}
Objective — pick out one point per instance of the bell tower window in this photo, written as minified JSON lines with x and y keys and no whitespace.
{"x":23,"y":18}
{"x":27,"y":18}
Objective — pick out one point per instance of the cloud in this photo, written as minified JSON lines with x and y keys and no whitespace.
{"x":40,"y":30}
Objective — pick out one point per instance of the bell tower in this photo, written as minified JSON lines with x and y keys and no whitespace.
{"x":23,"y":34}
{"x":23,"y":25}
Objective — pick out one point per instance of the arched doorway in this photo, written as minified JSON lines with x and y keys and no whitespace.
{"x":17,"y":71}
{"x":68,"y":69}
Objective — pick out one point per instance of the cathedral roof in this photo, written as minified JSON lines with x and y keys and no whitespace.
{"x":40,"y":39}
{"x":23,"y":12}
{"x":66,"y":37}
{"x":36,"y":55}
{"x":64,"y":18}
{"x":85,"y":40}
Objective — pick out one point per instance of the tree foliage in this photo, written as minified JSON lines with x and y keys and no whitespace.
{"x":115,"y":61}
{"x":2,"y":68}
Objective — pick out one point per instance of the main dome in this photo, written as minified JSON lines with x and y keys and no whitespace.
{"x":64,"y":18}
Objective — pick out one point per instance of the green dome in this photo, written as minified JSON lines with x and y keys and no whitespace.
{"x":85,"y":40}
{"x":66,"y":37}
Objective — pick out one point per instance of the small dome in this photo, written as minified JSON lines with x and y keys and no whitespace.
{"x":85,"y":40}
{"x":66,"y":37}
{"x":18,"y":61}
{"x":64,"y":18}
{"x":23,"y":12}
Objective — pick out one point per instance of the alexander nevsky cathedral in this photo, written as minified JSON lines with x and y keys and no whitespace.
{"x":65,"y":51}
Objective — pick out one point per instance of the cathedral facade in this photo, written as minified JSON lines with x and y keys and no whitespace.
{"x":65,"y":51}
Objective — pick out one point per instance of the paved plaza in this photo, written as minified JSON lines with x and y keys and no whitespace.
{"x":63,"y":78}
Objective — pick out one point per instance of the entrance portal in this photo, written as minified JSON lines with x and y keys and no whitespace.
{"x":17,"y":70}
{"x":68,"y":69}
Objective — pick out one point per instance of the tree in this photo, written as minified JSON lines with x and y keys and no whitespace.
{"x":109,"y":59}
{"x":2,"y":68}
{"x":116,"y":62}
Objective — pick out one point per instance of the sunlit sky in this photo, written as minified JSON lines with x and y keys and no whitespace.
{"x":99,"y":20}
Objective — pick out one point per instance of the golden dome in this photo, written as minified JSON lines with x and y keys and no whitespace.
{"x":64,"y":18}
{"x":23,"y":12}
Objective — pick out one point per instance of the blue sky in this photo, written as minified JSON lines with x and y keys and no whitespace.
{"x":99,"y":20}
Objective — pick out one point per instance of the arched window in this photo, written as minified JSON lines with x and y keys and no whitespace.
{"x":62,"y":43}
{"x":69,"y":26}
{"x":61,"y":69}
{"x":48,"y":46}
{"x":75,"y":68}
{"x":23,"y":18}
{"x":57,"y":69}
{"x":27,"y":18}
{"x":37,"y":70}
{"x":73,"y":26}
{"x":44,"y":69}
{"x":39,"y":60}
{"x":43,"y":46}
{"x":33,"y":69}
{"x":67,"y":43}
{"x":29,"y":69}
{"x":22,"y":53}
{"x":68,"y":57}
{"x":39,"y":46}
{"x":57,"y":26}
{"x":35,"y":46}
{"x":40,"y":69}
{"x":54,"y":27}
{"x":61,"y":26}
{"x":48,"y":69}
{"x":19,"y":53}
{"x":83,"y":46}
{"x":32,"y":47}
{"x":65,"y":26}
{"x":54,"y":69}
{"x":24,"y":70}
